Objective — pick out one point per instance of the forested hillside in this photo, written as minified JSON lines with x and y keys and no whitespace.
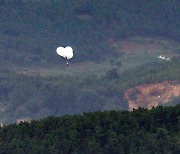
{"x":116,"y":47}
{"x":140,"y":131}
{"x":33,"y":96}
{"x":31,"y":30}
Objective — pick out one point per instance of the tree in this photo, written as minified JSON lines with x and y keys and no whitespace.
{"x":112,"y":74}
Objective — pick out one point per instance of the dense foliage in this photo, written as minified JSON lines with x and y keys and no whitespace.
{"x":31,"y":30}
{"x":23,"y":96}
{"x":140,"y":131}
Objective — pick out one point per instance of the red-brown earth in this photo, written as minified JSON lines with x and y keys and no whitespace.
{"x":152,"y":95}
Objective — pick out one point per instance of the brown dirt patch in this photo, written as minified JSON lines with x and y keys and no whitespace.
{"x":151,"y":95}
{"x":129,"y":47}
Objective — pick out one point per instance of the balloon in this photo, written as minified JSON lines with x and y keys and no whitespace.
{"x":66,"y":52}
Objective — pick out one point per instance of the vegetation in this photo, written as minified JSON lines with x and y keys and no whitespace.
{"x":140,"y":131}
{"x":24,"y":96}
{"x":32,"y":30}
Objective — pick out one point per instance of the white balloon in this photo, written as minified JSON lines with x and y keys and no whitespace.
{"x":66,"y":52}
{"x":60,"y":51}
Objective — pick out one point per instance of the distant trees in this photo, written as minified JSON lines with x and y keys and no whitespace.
{"x":51,"y":24}
{"x":112,"y":74}
{"x":37,"y":96}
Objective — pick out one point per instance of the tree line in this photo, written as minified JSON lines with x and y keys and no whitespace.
{"x":140,"y":131}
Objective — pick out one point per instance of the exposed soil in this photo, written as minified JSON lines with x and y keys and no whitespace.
{"x":149,"y":45}
{"x":151,"y":95}
{"x":129,"y":47}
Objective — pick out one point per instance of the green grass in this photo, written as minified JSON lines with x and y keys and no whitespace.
{"x":146,"y":54}
{"x":136,"y":59}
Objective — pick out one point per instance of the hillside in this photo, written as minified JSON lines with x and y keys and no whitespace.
{"x":133,"y":52}
{"x":32,"y":30}
{"x":35,"y":96}
{"x":116,"y":47}
{"x":140,"y":131}
{"x":103,"y":35}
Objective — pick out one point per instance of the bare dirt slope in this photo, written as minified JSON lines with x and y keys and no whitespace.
{"x":151,"y":95}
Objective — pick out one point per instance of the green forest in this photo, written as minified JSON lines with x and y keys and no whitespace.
{"x":36,"y":96}
{"x":140,"y":131}
{"x":46,"y":107}
{"x":31,"y":30}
